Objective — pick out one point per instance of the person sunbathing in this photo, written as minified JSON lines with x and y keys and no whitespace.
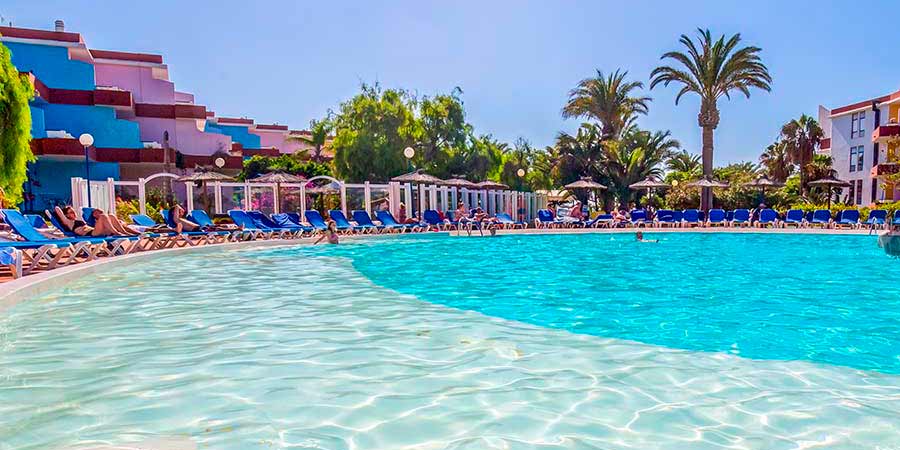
{"x":104,"y":224}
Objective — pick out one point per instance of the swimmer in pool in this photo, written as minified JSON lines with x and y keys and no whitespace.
{"x":640,"y":237}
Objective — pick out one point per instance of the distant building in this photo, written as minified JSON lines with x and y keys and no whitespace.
{"x":859,"y":138}
{"x":127,"y":103}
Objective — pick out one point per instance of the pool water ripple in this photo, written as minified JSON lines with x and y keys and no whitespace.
{"x":298,"y":348}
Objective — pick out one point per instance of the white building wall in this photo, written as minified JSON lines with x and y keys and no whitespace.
{"x":842,"y":142}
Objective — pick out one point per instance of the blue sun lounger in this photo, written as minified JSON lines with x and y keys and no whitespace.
{"x":342,"y":223}
{"x":292,"y":221}
{"x":243,"y":220}
{"x":602,"y":220}
{"x":189,"y":236}
{"x":741,"y":218}
{"x":507,"y":222}
{"x":691,"y":217}
{"x":263,"y":222}
{"x":433,"y":220}
{"x":716,"y":218}
{"x":767,"y":217}
{"x":545,"y":219}
{"x":200,"y":217}
{"x":116,"y":245}
{"x":389,"y":222}
{"x":666,"y":218}
{"x":42,"y":251}
{"x":794,"y":217}
{"x":364,"y":220}
{"x":821,"y":217}
{"x":877,"y":218}
{"x":13,"y":259}
{"x":848,"y":218}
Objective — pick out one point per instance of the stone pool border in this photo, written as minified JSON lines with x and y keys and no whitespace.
{"x":15,"y":291}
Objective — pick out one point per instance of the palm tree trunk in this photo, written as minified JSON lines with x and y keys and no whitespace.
{"x":803,"y":175}
{"x":707,"y":155}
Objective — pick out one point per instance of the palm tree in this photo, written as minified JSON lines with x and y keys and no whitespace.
{"x":579,"y":155}
{"x":319,"y":131}
{"x":608,"y":100}
{"x":716,"y":68}
{"x":638,"y":155}
{"x":801,"y":138}
{"x":777,"y":161}
{"x":684,"y":162}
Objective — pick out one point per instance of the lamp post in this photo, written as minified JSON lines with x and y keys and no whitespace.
{"x":87,"y":141}
{"x":409,"y":153}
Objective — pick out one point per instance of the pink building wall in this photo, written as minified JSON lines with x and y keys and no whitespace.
{"x":279,"y":139}
{"x":183,"y":136}
{"x":137,"y":79}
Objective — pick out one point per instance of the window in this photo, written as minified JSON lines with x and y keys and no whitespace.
{"x":857,"y":124}
{"x":857,"y":157}
{"x":852,"y":192}
{"x":858,"y":192}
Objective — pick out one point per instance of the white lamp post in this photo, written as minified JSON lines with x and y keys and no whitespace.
{"x":87,"y":141}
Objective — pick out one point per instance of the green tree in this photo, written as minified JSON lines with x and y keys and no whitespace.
{"x":777,"y":161}
{"x":685,"y":163}
{"x":15,"y":129}
{"x":320,"y":131}
{"x":638,"y":155}
{"x":712,"y":69}
{"x":293,"y":164}
{"x":609,"y":100}
{"x":371,"y":131}
{"x":737,"y":195}
{"x":441,"y":129}
{"x":801,"y":139}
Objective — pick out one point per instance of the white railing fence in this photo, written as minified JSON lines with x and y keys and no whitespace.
{"x":218,"y":197}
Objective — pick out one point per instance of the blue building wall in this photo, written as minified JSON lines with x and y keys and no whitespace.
{"x":38,"y":129}
{"x":52,"y":66}
{"x":240,"y":135}
{"x":99,"y":121}
{"x":54,"y":176}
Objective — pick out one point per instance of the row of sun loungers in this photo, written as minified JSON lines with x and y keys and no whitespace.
{"x":849,"y":218}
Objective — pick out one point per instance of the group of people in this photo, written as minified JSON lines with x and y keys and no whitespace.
{"x":105,"y":225}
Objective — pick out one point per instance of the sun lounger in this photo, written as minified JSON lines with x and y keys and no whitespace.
{"x":877,"y":218}
{"x":821,"y":217}
{"x":638,"y":218}
{"x":389,"y":222}
{"x":342,"y":223}
{"x":191,"y":237}
{"x":433,"y":220}
{"x":741,"y":218}
{"x":12,"y":258}
{"x":545,"y":219}
{"x":200,"y":217}
{"x":506,"y":221}
{"x":291,"y":221}
{"x":794,"y":217}
{"x":364,"y":220}
{"x":895,"y":221}
{"x":691,"y":218}
{"x":116,"y":245}
{"x":767,"y":217}
{"x":244,"y":221}
{"x":848,"y":218}
{"x":716,"y":218}
{"x":665,"y":218}
{"x":39,"y":251}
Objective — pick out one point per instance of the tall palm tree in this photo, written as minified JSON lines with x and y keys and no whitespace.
{"x":579,"y":155}
{"x":684,"y":162}
{"x":609,"y":100}
{"x":777,"y":161}
{"x":319,"y":131}
{"x":801,"y":138}
{"x":711,"y":69}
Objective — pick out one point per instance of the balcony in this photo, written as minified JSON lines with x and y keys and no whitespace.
{"x":884,"y":169}
{"x":885,"y":133}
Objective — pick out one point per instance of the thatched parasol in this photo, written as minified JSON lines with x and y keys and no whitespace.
{"x":491,"y":185}
{"x":458,"y":182}
{"x":829,"y":182}
{"x":277,"y":177}
{"x":649,"y":184}
{"x":585,"y":183}
{"x":763,"y":183}
{"x":203,"y":176}
{"x":707,"y":182}
{"x":417,"y":177}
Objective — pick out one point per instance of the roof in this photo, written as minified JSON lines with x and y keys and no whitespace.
{"x":127,"y":56}
{"x":43,"y":35}
{"x":865,"y":103}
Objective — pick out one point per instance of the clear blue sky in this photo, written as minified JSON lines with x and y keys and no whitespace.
{"x":290,"y":61}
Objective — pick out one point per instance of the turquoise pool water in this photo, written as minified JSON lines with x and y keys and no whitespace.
{"x":824,"y":298}
{"x":699,"y":341}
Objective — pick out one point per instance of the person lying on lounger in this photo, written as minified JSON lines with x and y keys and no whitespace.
{"x":639,"y":236}
{"x":182,"y":223}
{"x":331,"y":233}
{"x":104,"y":224}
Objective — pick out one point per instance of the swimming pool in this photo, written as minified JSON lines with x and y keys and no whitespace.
{"x":558,"y":341}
